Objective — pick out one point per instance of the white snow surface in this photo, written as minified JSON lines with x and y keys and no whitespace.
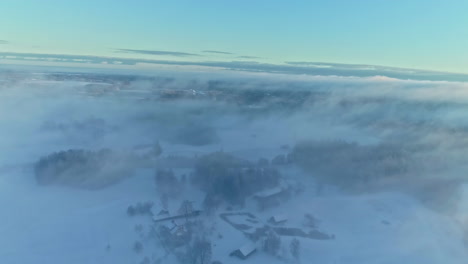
{"x":63,"y":225}
{"x":57,"y":225}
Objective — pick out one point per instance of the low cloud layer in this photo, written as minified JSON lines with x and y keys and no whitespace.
{"x":421,"y":122}
{"x":296,"y":68}
{"x":157,"y":52}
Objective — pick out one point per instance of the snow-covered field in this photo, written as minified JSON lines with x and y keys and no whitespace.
{"x":62,"y":224}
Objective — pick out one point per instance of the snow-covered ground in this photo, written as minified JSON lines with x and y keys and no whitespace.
{"x":63,"y":225}
{"x":59,"y":224}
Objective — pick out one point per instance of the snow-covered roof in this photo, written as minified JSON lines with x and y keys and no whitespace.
{"x":169,"y":225}
{"x":279,"y":218}
{"x":158,"y":211}
{"x":178,"y":230}
{"x":247,"y":249}
{"x":269,"y":192}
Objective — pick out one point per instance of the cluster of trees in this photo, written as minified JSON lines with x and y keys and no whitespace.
{"x":281,"y":159}
{"x":295,"y":248}
{"x":187,"y":242}
{"x":167,"y":183}
{"x":195,"y":133}
{"x":272,"y":244}
{"x":199,"y":251}
{"x":92,"y":127}
{"x":310,"y":221}
{"x":226,"y":178}
{"x":270,"y":96}
{"x":172,"y":241}
{"x":350,"y":164}
{"x":140,"y":208}
{"x":157,"y":150}
{"x":83,"y":168}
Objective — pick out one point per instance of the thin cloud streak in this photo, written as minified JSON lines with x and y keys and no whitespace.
{"x":248,"y":57}
{"x":218,"y":52}
{"x":157,"y":52}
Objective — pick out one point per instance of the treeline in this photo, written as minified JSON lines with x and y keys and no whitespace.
{"x":226,"y":178}
{"x":352,"y":165}
{"x":83,"y":168}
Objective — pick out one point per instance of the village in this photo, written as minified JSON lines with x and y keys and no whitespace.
{"x":191,"y":231}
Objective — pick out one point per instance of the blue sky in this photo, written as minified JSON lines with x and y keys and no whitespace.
{"x":430,"y":34}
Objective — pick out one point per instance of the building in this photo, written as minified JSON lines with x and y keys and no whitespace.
{"x":245,"y":251}
{"x":159,"y":214}
{"x":270,"y":197}
{"x":186,"y":211}
{"x":278,"y":219}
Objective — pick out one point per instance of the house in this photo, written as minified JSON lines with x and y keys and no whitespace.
{"x":174,"y":234}
{"x":179,"y":231}
{"x":270,"y":197}
{"x":268,"y":193}
{"x":163,"y":212}
{"x":245,"y":251}
{"x":159,"y":214}
{"x":185,"y":211}
{"x":278,"y":219}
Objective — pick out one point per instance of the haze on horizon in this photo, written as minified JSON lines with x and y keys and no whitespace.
{"x":428,"y":35}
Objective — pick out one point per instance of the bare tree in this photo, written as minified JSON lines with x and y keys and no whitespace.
{"x":137,"y":247}
{"x":272,"y":243}
{"x":186,"y":209}
{"x":157,"y":150}
{"x":164,"y":200}
{"x":204,"y":251}
{"x":294,"y":248}
{"x":199,"y":252}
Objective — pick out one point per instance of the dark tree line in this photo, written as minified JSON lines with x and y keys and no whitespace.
{"x":167,"y":183}
{"x":350,"y":164}
{"x":82,"y":168}
{"x":226,"y":178}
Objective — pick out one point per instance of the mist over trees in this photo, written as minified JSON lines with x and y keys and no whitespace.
{"x":167,"y":184}
{"x":362,"y":136}
{"x":351,"y":165}
{"x":272,"y":243}
{"x":295,"y":249}
{"x":225,"y":177}
{"x":90,"y":127}
{"x":199,"y":251}
{"x":195,"y":133}
{"x":83,"y":168}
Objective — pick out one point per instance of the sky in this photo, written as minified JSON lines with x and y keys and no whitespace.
{"x":421,"y":34}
